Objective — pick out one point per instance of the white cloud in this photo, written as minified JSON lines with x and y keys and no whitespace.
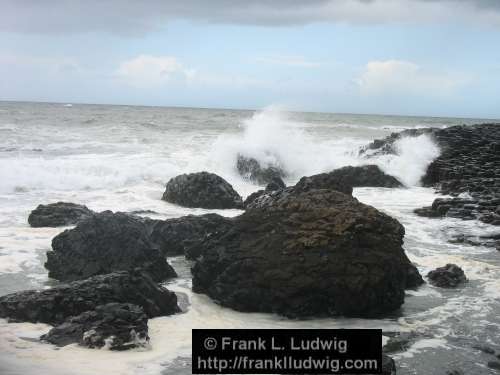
{"x":294,"y":61}
{"x":404,"y":77}
{"x":153,"y":71}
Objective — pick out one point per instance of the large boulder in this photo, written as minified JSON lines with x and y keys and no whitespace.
{"x":55,"y":305}
{"x":448,"y":276}
{"x":312,"y":253}
{"x":323,"y":181}
{"x":363,"y":176}
{"x":119,"y":326}
{"x":104,"y":243}
{"x":250,"y":169}
{"x":58,"y":214}
{"x":203,"y":190}
{"x":177,"y":236}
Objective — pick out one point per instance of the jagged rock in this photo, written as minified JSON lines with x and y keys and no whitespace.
{"x":399,"y":341}
{"x":469,"y":165}
{"x":119,"y":326}
{"x":275,"y":185}
{"x":58,"y":214}
{"x":104,"y":243}
{"x":448,"y":276}
{"x":251,"y":169}
{"x":203,"y":190}
{"x":363,"y":176}
{"x":177,"y":236}
{"x":55,"y":305}
{"x":319,"y":252}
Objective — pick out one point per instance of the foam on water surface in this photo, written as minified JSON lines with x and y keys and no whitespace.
{"x":119,"y":158}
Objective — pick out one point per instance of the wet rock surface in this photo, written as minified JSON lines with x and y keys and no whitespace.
{"x":104,"y":243}
{"x":364,"y":176}
{"x":185,"y":234}
{"x":275,"y":185}
{"x":118,"y":326}
{"x":202,"y":190}
{"x":58,"y":214}
{"x":449,"y":276}
{"x":55,"y":305}
{"x":251,"y":169}
{"x":323,"y":181}
{"x":312,"y":253}
{"x":468,"y":169}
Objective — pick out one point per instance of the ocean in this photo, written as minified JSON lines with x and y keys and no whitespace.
{"x":120,"y":157}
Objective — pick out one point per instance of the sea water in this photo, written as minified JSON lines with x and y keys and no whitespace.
{"x":120,"y":157}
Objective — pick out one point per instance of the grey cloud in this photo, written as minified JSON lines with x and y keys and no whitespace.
{"x":138,"y":17}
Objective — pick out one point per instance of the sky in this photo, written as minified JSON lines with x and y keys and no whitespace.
{"x":408,"y":57}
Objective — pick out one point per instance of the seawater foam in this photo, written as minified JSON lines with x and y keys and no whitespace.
{"x":272,"y":138}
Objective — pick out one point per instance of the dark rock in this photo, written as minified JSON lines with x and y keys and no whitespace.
{"x":310,"y":253}
{"x":448,"y":276}
{"x":275,"y":185}
{"x":388,"y":365}
{"x":400,"y":342}
{"x":55,"y":305}
{"x":104,"y":243}
{"x":119,"y":326}
{"x":494,"y":365}
{"x":386,"y":145}
{"x":469,"y":164}
{"x":484,"y":349}
{"x":203,"y":190}
{"x":323,"y":181}
{"x":58,"y":214}
{"x":363,"y":176}
{"x":413,"y":277}
{"x":177,"y":236}
{"x":251,"y":169}
{"x":454,"y":372}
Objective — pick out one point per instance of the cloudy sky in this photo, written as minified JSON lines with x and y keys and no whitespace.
{"x":422,"y":57}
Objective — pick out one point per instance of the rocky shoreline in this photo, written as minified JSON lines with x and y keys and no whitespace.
{"x":308,"y":250}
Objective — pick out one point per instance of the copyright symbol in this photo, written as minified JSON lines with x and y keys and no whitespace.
{"x":210,"y":343}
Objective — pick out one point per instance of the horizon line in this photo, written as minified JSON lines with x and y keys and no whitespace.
{"x":246,"y":109}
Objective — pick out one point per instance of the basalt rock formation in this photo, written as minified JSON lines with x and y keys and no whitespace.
{"x":203,"y":190}
{"x":55,"y":305}
{"x":468,"y":169}
{"x":308,"y":253}
{"x":104,"y":243}
{"x":251,"y":169}
{"x":118,"y":326}
{"x":58,"y":214}
{"x":364,"y":175}
{"x":182,"y":235}
{"x":448,"y":276}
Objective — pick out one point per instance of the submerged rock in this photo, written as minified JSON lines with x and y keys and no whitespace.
{"x":55,"y":305}
{"x":313,"y":253}
{"x":58,"y":214}
{"x":251,"y":169}
{"x":104,"y":243}
{"x":178,"y":236}
{"x":203,"y":190}
{"x":364,"y":176}
{"x":448,"y":276}
{"x":118,"y":326}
